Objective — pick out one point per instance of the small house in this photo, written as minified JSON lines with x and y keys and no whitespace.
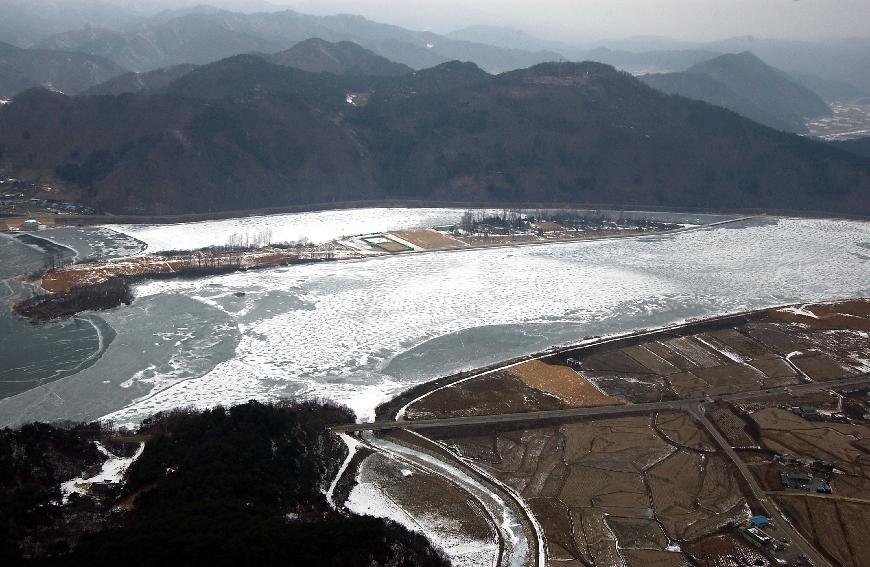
{"x":785,"y":459}
{"x":30,"y":224}
{"x":759,"y":521}
{"x":103,"y":487}
{"x":822,"y":467}
{"x":794,"y":480}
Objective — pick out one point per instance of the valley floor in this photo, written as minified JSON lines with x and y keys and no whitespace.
{"x":693,"y":433}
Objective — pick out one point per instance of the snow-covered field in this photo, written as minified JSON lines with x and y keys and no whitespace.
{"x":359,"y":332}
{"x":324,"y":226}
{"x":317,"y":228}
{"x":113,"y":470}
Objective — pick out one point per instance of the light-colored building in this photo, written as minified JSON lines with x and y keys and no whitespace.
{"x":30,"y":224}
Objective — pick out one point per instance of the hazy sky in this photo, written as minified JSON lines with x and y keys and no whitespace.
{"x":597,"y":19}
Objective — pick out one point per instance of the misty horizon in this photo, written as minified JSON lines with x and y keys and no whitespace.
{"x":580,"y":22}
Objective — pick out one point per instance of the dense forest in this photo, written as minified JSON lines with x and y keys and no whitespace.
{"x":239,"y":486}
{"x":244,"y":133}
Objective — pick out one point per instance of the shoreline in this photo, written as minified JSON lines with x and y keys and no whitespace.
{"x":110,"y":219}
{"x":162,"y":266}
{"x":390,"y":414}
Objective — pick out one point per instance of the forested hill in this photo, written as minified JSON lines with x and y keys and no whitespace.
{"x":745,"y":84}
{"x":221,"y":487}
{"x":243,"y":133}
{"x":72,"y":73}
{"x":341,"y":58}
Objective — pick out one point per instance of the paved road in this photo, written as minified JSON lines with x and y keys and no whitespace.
{"x":538,"y":416}
{"x":770,"y":509}
{"x":694,"y":406}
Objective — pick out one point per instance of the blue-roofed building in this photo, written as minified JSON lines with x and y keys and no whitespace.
{"x":759,"y":521}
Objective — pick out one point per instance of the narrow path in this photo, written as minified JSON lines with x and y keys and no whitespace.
{"x":700,"y":414}
{"x":538,"y":416}
{"x":783,"y":493}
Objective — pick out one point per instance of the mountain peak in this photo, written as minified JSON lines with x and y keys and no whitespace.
{"x":317,"y":55}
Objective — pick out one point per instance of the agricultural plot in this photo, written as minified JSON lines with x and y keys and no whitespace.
{"x":639,"y":490}
{"x":837,"y":528}
{"x":386,"y":243}
{"x":770,"y":351}
{"x":496,"y":393}
{"x":429,"y":239}
{"x":562,"y":382}
{"x":785,"y":432}
{"x":653,"y":488}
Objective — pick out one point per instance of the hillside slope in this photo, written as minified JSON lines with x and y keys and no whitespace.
{"x":745,"y":84}
{"x":21,"y":69}
{"x":708,"y":89}
{"x":193,"y":38}
{"x":148,"y":82}
{"x":243,"y":133}
{"x":342,"y":58}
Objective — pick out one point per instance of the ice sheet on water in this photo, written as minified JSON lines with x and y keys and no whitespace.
{"x":348,"y":320}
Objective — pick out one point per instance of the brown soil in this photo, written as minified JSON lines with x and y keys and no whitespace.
{"x":839,"y":529}
{"x":822,"y":367}
{"x":785,"y":432}
{"x":725,"y":551}
{"x":499,"y":392}
{"x":497,"y":240}
{"x":429,"y":239}
{"x":853,"y":314}
{"x":731,"y":425}
{"x":83,"y":275}
{"x":617,"y":490}
{"x":559,"y":380}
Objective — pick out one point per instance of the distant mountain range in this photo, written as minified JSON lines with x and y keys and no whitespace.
{"x":25,"y":22}
{"x":745,"y":84}
{"x":149,"y":82}
{"x":140,"y":41}
{"x":833,"y":62}
{"x":71,"y":73}
{"x":244,"y":133}
{"x":313,"y":55}
{"x":205,"y":34}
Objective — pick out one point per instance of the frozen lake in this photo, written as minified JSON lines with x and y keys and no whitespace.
{"x":360,"y":332}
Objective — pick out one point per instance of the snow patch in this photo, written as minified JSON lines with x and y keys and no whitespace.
{"x":113,"y":470}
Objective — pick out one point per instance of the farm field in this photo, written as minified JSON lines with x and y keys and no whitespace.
{"x":633,"y":491}
{"x":652,"y":486}
{"x":774,"y":349}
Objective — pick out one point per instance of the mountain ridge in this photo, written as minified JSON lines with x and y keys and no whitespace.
{"x":164,"y":41}
{"x":21,"y":69}
{"x":745,"y":84}
{"x":556,"y":132}
{"x":340,"y":58}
